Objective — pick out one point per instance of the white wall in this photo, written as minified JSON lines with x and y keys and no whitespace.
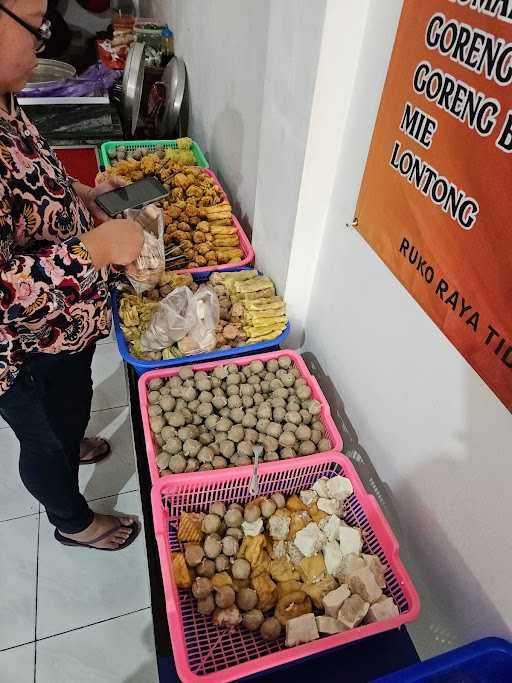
{"x":252,"y":69}
{"x":224,"y":45}
{"x":334,"y":82}
{"x":295,"y":32}
{"x":433,"y":429}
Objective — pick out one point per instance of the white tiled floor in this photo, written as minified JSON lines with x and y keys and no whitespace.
{"x":121,"y":649}
{"x":116,"y":474}
{"x":70,"y":592}
{"x":17,"y":664}
{"x":110,"y":390}
{"x":18,"y":569}
{"x":71,"y":614}
{"x":15,"y":500}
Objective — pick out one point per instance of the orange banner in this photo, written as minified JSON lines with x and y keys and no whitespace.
{"x":436,"y":198}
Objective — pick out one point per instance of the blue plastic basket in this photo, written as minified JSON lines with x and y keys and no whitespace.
{"x":488,"y":660}
{"x":142,"y":366}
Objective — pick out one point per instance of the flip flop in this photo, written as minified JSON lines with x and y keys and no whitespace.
{"x":134,"y":526}
{"x":100,"y":456}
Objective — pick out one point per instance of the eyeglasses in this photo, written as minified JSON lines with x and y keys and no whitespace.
{"x":43,"y":33}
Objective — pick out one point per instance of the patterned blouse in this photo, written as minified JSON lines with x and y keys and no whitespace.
{"x":51,"y":297}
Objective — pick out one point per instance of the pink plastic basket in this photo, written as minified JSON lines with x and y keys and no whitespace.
{"x":325,"y":416}
{"x":245,"y":245}
{"x":204,"y":652}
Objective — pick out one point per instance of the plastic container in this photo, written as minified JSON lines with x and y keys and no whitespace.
{"x":142,"y":366}
{"x":203,"y":652}
{"x":150,"y":144}
{"x":325,"y":416}
{"x":488,"y":660}
{"x":246,"y":247}
{"x":123,"y":15}
{"x":246,"y":260}
{"x":167,"y":41}
{"x":248,"y":254}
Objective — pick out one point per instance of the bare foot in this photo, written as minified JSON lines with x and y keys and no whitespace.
{"x":100,"y":525}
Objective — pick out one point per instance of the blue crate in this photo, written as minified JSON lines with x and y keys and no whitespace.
{"x":142,"y":366}
{"x":488,"y":660}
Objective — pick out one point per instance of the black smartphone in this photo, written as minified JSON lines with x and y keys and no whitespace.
{"x":132,"y":196}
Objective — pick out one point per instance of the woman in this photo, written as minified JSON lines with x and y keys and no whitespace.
{"x":54,"y":268}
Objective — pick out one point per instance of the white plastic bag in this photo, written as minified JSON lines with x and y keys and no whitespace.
{"x":201,"y":337}
{"x":144,"y":273}
{"x":186,"y":318}
{"x":174,"y":317}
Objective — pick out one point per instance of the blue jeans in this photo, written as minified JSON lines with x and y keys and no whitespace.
{"x":48,"y":408}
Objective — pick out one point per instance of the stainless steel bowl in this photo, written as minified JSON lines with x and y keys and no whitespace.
{"x":133,"y":79}
{"x":50,"y":72}
{"x":175,"y":79}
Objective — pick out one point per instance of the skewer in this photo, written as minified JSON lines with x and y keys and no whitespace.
{"x":176,"y":262}
{"x":170,"y":250}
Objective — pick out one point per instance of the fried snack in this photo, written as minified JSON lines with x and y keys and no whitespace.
{"x":189,"y":529}
{"x":219,"y":212}
{"x":285,"y":587}
{"x":184,"y":143}
{"x":265,"y":319}
{"x":257,"y":295}
{"x":135,"y":313}
{"x":283,"y":570}
{"x":271,"y":330}
{"x":292,"y":605}
{"x":270,"y":303}
{"x":257,"y":284}
{"x":263,"y":337}
{"x":294,"y":504}
{"x":149,"y":164}
{"x":225,"y":241}
{"x":266,"y":590}
{"x":318,"y":590}
{"x":221,"y":579}
{"x":180,"y":571}
{"x":299,"y":521}
{"x":312,"y":569}
{"x":251,"y":548}
{"x":262,"y":564}
{"x":184,"y":180}
{"x":279,"y":524}
{"x":129,"y":169}
{"x":227,"y":254}
{"x":129,"y":312}
{"x":263,"y":316}
{"x":269,"y":545}
{"x":225,"y":230}
{"x":278,"y":550}
{"x":196,"y":205}
{"x":229,"y":279}
{"x":176,"y":280}
{"x":316,"y":515}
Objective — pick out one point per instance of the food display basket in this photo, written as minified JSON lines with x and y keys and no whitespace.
{"x":204,"y":652}
{"x":325,"y":416}
{"x":248,"y":255}
{"x":150,"y":145}
{"x":142,"y":366}
{"x":488,"y":660}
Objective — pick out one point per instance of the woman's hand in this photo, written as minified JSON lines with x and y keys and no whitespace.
{"x":117,"y":241}
{"x":88,"y":196}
